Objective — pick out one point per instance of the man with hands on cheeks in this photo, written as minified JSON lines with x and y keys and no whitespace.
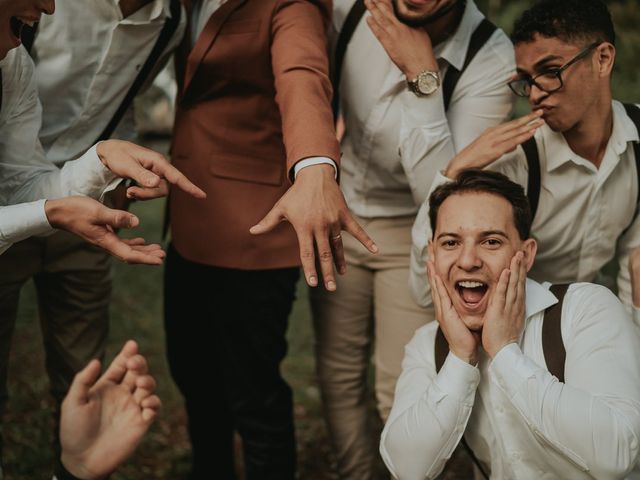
{"x":495,"y":387}
{"x":28,"y":178}
{"x":104,"y":419}
{"x":587,"y":146}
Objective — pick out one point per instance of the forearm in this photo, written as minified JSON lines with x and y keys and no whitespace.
{"x":597,"y":433}
{"x":428,"y":420}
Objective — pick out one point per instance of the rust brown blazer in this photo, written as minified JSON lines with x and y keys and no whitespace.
{"x":254,"y":99}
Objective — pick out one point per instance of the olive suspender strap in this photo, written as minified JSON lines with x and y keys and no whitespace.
{"x":552,"y":344}
{"x":481,"y":34}
{"x":552,"y":347}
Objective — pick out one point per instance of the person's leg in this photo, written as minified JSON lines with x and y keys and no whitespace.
{"x":343,"y":330}
{"x":74,"y":293}
{"x":17,"y":265}
{"x":397,"y":315}
{"x":190,"y":293}
{"x":252,"y":327}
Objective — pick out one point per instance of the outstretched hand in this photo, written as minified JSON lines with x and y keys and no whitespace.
{"x":148,"y":168}
{"x":104,"y":419}
{"x":95,"y":223}
{"x":495,"y":142}
{"x":504,"y":319}
{"x":463,"y":342}
{"x":315,"y":207}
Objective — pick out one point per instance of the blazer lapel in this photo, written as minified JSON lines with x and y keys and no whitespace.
{"x":206,"y":38}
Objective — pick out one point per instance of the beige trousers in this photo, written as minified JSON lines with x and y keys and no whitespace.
{"x":372,"y":301}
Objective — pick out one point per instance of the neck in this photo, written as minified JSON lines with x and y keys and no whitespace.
{"x":444,"y":27}
{"x":129,"y":7}
{"x":589,"y":137}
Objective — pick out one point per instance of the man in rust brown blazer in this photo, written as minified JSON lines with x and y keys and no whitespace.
{"x":254,"y":128}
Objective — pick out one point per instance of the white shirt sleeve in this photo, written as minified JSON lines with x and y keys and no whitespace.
{"x":430,"y":412}
{"x":25,"y":172}
{"x":18,"y":222}
{"x":593,"y":419}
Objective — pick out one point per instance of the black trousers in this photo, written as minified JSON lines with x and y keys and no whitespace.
{"x":225,"y":331}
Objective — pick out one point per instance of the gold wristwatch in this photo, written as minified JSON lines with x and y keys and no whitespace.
{"x":426,"y":83}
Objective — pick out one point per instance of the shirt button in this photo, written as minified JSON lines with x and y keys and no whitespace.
{"x":515,"y":456}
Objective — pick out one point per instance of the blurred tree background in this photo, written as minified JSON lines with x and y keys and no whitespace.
{"x":137,"y":313}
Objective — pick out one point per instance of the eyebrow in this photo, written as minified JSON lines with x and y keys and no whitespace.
{"x":540,"y":63}
{"x":486,"y":233}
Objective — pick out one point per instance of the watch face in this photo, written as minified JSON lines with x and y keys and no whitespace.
{"x":428,"y":83}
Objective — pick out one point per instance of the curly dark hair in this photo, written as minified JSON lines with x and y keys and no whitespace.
{"x":485,"y":181}
{"x":572,"y":21}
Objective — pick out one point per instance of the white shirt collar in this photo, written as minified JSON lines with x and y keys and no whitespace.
{"x":538,"y":297}
{"x":454,"y":49}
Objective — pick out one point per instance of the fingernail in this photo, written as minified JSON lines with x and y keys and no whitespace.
{"x":331,"y":285}
{"x":313,"y":281}
{"x":343,"y":270}
{"x":133,"y":221}
{"x":374,"y":248}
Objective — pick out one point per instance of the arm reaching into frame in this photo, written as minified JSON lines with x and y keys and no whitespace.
{"x":104,"y":419}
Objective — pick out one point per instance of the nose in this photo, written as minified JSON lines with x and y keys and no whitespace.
{"x":468,"y":259}
{"x":536,"y":95}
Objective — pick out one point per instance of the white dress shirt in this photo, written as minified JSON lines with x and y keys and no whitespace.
{"x":25,"y":174}
{"x":516,"y":416}
{"x":582,"y":211}
{"x":395,"y":142}
{"x":87,"y":57}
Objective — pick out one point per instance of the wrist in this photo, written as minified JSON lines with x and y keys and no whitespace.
{"x":69,"y":468}
{"x":54,"y":211}
{"x":469,"y":357}
{"x":323,"y":170}
{"x":492,"y":351}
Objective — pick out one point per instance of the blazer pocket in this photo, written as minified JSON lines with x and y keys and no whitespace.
{"x":247,"y":169}
{"x":240,"y":26}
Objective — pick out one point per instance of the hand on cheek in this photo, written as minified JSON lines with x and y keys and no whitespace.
{"x":463,"y":343}
{"x":504,"y":318}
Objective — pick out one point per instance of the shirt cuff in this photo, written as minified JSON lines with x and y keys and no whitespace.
{"x":22,"y":221}
{"x":308,"y":162}
{"x":458,"y":378}
{"x":91,"y":177}
{"x":510,"y":368}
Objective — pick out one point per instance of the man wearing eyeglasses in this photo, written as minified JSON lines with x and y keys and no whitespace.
{"x":588,"y":189}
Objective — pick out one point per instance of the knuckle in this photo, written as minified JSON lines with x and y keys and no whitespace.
{"x":325,"y":255}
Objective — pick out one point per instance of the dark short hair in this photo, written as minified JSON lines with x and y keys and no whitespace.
{"x":484,"y":181}
{"x":572,"y":21}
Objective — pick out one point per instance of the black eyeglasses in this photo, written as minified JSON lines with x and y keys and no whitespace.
{"x":548,"y":81}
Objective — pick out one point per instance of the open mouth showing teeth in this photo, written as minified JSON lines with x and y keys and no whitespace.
{"x":472,"y":292}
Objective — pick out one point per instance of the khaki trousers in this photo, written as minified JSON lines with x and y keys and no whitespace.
{"x":73,"y":283}
{"x":372,"y":300}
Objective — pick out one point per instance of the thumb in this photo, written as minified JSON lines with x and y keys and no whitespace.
{"x":269,"y":222}
{"x":83,"y":381}
{"x":117,"y":218}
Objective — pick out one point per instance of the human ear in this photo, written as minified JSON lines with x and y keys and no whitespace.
{"x":605,"y":57}
{"x":529,"y":248}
